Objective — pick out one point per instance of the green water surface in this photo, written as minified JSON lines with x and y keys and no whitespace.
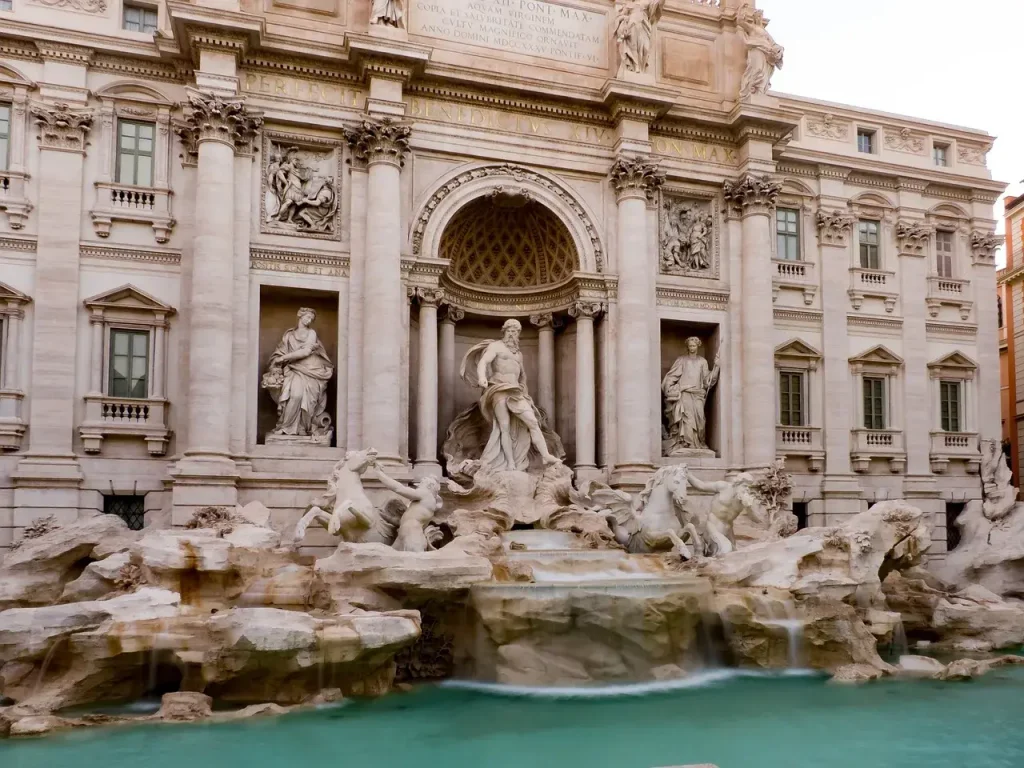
{"x":744,"y":722}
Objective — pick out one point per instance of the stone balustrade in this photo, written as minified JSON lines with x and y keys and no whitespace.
{"x":806,"y":442}
{"x":955,"y":446}
{"x":795,"y":275}
{"x":878,"y":444}
{"x":948,"y":291}
{"x":124,"y":202}
{"x":875,"y":283}
{"x":107,"y":416}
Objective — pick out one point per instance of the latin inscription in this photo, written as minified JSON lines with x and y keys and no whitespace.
{"x":302,"y":90}
{"x":531,"y":27}
{"x":692,"y":150}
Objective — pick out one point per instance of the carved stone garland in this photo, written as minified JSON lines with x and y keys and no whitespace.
{"x":88,"y":6}
{"x":516,"y":173}
{"x":380,"y":140}
{"x":214,"y":118}
{"x":61,"y":127}
{"x":636,"y":176}
{"x":834,"y":227}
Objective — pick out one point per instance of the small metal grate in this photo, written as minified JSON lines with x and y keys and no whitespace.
{"x":131,"y":509}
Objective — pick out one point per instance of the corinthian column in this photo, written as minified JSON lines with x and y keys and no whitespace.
{"x":446,"y":375}
{"x":382,"y":143}
{"x":834,"y":229}
{"x":426,"y":383}
{"x":212,"y":128}
{"x":635,"y":180}
{"x":753,"y":198}
{"x":586,"y":397}
{"x":545,"y":363}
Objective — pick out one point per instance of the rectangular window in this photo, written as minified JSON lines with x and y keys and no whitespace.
{"x":865,"y":141}
{"x":787,"y":230}
{"x":6,"y":5}
{"x":791,"y":398}
{"x":139,"y":18}
{"x":940,"y":154}
{"x":944,"y":254}
{"x":949,"y":405}
{"x":135,"y":153}
{"x":874,"y":403}
{"x":953,"y":510}
{"x":5,"y":131}
{"x":131,"y":509}
{"x":129,"y":363}
{"x":867,"y":235}
{"x":800,"y":511}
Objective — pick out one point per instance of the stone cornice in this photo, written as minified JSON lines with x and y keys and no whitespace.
{"x":176,"y":72}
{"x":306,"y":262}
{"x":951,"y":329}
{"x":380,"y":140}
{"x":791,"y":315}
{"x":65,"y":52}
{"x":504,"y":101}
{"x":385,"y":58}
{"x":295,"y":65}
{"x":12,"y":243}
{"x":692,"y":298}
{"x":166,"y":256}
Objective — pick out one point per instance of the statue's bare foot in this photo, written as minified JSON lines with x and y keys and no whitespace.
{"x":550,"y":460}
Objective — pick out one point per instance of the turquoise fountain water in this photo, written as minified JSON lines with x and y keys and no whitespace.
{"x":732,"y":721}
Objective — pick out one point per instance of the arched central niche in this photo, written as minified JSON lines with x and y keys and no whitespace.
{"x":505,"y":240}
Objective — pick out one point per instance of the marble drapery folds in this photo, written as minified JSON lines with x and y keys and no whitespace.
{"x":297,"y":379}
{"x":685,"y":389}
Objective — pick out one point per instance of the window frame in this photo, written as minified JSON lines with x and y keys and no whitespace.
{"x":950,"y":419}
{"x":865,"y":247}
{"x":5,"y":137}
{"x":133,"y":332}
{"x":949,"y":255}
{"x":143,"y":9}
{"x":871,"y":135}
{"x":135,"y":153}
{"x":882,"y":399}
{"x":6,"y":5}
{"x":944,"y":149}
{"x":789,"y":236}
{"x":800,"y":377}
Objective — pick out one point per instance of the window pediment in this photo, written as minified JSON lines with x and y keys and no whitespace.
{"x":878,"y":359}
{"x":134,"y":92}
{"x":11,"y":299}
{"x":129,"y":302}
{"x":955,"y":365}
{"x":797,"y":353}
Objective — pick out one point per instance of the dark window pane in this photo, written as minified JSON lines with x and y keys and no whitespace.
{"x":131,"y":509}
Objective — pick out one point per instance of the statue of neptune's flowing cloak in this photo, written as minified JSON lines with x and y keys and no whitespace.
{"x":475,"y":435}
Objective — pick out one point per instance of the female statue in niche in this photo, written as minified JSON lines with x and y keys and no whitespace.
{"x":297,"y":381}
{"x":685,"y":388}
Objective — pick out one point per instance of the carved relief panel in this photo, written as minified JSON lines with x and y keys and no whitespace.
{"x":687,"y":236}
{"x":301,"y":187}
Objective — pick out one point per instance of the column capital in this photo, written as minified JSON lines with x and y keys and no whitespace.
{"x":752,"y":195}
{"x":589,"y":310}
{"x":635,"y":177}
{"x":543,"y":320}
{"x":212,"y":117}
{"x":984,"y":245}
{"x":380,"y":140}
{"x":62,"y":127}
{"x":912,"y":237}
{"x":425,"y":295}
{"x":834,"y":227}
{"x":452,"y":314}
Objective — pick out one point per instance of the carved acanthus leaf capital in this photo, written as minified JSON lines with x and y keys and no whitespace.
{"x":430,"y":296}
{"x":380,"y":140}
{"x":61,"y":127}
{"x":984,"y":245}
{"x":214,"y":118}
{"x":543,"y":320}
{"x":752,"y":194}
{"x":636,"y":177}
{"x":453,"y":314}
{"x":586,"y":309}
{"x":912,"y":237}
{"x":834,"y":227}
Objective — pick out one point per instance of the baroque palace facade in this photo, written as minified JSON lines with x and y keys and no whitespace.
{"x":705,"y":271}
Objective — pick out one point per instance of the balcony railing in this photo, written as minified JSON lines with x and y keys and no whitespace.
{"x":955,"y":446}
{"x":796,"y":275}
{"x":878,"y":444}
{"x":141,"y":205}
{"x":949,"y":291}
{"x":876,"y":283}
{"x":107,"y":416}
{"x":801,"y":441}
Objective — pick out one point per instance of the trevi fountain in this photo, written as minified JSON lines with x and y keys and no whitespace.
{"x":508,"y":591}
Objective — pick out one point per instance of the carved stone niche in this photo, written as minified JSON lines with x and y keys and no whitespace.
{"x":687,"y":236}
{"x":301,"y":186}
{"x":686,"y":442}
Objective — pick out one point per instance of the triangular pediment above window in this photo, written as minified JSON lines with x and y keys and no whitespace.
{"x":797,"y":348}
{"x":9,"y":295}
{"x":128,"y":298}
{"x":955,"y":360}
{"x":879,"y":355}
